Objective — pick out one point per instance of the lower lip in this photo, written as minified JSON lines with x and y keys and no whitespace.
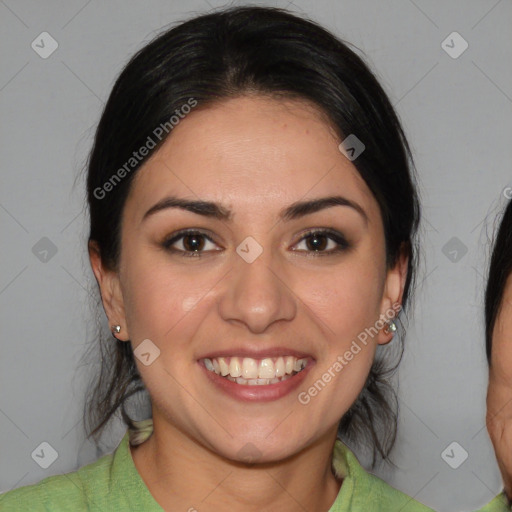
{"x":261,"y":393}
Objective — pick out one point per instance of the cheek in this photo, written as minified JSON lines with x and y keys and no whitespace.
{"x":345,"y":304}
{"x":161,"y":301}
{"x":346,"y":300}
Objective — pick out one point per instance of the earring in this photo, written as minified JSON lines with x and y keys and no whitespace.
{"x":390,"y":327}
{"x":116,"y":329}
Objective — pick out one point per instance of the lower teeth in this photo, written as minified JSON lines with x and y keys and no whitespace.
{"x":258,"y":382}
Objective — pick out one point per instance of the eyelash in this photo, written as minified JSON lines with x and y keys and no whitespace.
{"x":332,"y":235}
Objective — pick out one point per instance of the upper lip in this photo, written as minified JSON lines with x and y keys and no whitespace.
{"x":259,"y":353}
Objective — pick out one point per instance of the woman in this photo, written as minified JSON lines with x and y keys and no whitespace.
{"x":253,"y":235}
{"x":498,"y":329}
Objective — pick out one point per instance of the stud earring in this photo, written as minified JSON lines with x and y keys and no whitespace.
{"x":390,"y":327}
{"x":116,"y":329}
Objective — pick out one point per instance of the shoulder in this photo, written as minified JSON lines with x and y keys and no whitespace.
{"x":389,"y":498}
{"x":75,"y":490}
{"x":383,"y":497}
{"x":365,"y":491}
{"x":498,"y":504}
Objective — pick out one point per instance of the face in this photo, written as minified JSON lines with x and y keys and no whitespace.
{"x":256,"y":285}
{"x":502,"y":330}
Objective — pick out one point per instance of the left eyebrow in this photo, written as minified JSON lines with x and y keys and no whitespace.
{"x":302,"y":208}
{"x":217,"y":211}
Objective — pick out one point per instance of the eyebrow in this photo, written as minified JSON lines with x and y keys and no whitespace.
{"x":216,"y":211}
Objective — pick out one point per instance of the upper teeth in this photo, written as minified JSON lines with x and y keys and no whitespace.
{"x":249,"y":368}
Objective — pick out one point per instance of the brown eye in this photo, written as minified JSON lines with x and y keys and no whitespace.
{"x":192,"y":243}
{"x":319,"y":241}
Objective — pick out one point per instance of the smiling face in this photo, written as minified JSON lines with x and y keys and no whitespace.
{"x":262,"y":286}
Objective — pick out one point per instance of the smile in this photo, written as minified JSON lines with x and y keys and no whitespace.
{"x":255,"y":372}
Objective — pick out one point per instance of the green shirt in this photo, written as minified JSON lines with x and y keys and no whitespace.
{"x":112,"y":483}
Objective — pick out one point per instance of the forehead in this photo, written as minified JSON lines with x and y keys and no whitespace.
{"x":250,"y":151}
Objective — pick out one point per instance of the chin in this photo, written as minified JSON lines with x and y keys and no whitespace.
{"x":250,"y":449}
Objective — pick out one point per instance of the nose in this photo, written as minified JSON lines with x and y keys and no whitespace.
{"x":257,"y":294}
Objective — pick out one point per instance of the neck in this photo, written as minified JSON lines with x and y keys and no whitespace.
{"x":168,"y":464}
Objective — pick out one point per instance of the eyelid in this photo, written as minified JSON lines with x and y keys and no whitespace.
{"x":174,"y":237}
{"x":334,"y":235}
{"x":321,"y":231}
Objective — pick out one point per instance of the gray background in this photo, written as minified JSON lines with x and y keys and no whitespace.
{"x":457,"y":115}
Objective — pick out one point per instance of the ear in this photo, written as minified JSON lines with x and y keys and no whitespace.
{"x":111,"y":295}
{"x":392,"y":298}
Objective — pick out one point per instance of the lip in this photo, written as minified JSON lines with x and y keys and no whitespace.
{"x":263,"y":393}
{"x":258,"y":353}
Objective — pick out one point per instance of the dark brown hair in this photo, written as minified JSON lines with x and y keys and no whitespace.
{"x":500,"y":269}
